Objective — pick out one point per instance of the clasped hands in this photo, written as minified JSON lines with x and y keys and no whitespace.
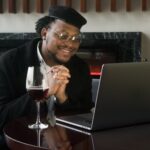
{"x":58,"y":78}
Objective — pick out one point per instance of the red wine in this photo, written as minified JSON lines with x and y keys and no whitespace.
{"x":37,"y":93}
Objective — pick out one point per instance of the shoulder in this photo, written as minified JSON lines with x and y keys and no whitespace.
{"x":8,"y":56}
{"x":11,"y":55}
{"x":19,"y":54}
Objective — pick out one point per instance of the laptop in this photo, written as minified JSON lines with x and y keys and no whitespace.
{"x":123,"y":98}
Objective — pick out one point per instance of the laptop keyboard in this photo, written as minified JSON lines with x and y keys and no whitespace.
{"x":84,"y":119}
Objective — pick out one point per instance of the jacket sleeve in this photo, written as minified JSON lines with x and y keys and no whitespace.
{"x":12,"y":105}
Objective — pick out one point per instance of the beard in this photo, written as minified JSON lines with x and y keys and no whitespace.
{"x":55,"y":60}
{"x":58,"y":57}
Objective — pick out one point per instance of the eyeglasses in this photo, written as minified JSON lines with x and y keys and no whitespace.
{"x":64,"y":36}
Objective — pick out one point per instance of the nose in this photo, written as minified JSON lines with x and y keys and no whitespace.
{"x":69,"y":43}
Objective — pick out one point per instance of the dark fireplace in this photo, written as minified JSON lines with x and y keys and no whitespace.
{"x":96,"y":48}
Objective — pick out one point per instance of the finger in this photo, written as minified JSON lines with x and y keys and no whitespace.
{"x":53,"y":90}
{"x":62,"y":82}
{"x":59,"y":68}
{"x":61,"y":76}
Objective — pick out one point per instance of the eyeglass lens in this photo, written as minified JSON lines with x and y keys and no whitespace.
{"x":66,"y":36}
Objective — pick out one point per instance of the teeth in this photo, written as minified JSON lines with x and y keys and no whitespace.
{"x":67,"y":51}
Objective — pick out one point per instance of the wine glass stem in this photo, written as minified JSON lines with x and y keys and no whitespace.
{"x":38,"y":113}
{"x":38,"y":137}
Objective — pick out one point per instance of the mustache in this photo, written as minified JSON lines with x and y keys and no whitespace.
{"x":68,"y":48}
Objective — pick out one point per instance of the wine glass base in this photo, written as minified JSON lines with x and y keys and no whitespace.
{"x":38,"y":126}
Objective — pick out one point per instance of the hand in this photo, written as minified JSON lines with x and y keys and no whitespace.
{"x":58,"y":79}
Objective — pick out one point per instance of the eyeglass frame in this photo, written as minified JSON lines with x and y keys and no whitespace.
{"x":69,"y":37}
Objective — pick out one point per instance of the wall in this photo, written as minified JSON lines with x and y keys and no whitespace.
{"x":121,"y":20}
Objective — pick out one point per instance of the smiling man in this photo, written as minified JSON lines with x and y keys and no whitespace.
{"x":55,"y":50}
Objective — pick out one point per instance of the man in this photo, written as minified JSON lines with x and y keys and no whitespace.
{"x":55,"y":49}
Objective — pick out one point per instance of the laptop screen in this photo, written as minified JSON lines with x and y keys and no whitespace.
{"x":123,"y":94}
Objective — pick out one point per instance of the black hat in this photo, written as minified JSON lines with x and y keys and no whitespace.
{"x":68,"y":15}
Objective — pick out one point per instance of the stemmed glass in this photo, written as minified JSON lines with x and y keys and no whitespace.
{"x":37,"y":87}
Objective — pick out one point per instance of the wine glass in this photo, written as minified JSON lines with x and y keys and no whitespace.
{"x":36,"y":85}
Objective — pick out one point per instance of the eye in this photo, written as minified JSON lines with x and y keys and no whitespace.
{"x":63,"y":36}
{"x":76,"y":38}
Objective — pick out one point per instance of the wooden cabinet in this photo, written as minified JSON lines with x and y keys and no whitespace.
{"x":84,"y":5}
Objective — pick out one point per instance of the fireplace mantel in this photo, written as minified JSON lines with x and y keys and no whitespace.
{"x":96,"y":48}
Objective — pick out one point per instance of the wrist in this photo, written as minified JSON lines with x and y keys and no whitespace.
{"x":61,"y":99}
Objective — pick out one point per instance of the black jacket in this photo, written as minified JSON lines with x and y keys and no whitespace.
{"x":14,"y":99}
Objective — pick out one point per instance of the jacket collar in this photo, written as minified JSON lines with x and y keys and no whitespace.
{"x":31,"y":56}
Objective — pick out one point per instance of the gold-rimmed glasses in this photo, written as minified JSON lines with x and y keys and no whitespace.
{"x":64,"y":36}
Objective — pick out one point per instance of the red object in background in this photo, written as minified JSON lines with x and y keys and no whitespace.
{"x":95,"y":73}
{"x":95,"y":70}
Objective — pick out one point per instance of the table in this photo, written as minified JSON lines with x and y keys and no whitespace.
{"x":61,"y":137}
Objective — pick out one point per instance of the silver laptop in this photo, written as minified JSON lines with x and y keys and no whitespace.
{"x":123,"y":98}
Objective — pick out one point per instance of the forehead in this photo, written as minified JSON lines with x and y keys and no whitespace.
{"x":60,"y":25}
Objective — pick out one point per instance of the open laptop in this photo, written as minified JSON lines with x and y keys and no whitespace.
{"x":123,"y":98}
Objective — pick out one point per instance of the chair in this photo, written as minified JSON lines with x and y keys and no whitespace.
{"x":94,"y":88}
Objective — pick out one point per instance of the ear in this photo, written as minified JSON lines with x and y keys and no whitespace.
{"x":43,"y":33}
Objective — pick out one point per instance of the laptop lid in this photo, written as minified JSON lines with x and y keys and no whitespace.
{"x":123,"y":96}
